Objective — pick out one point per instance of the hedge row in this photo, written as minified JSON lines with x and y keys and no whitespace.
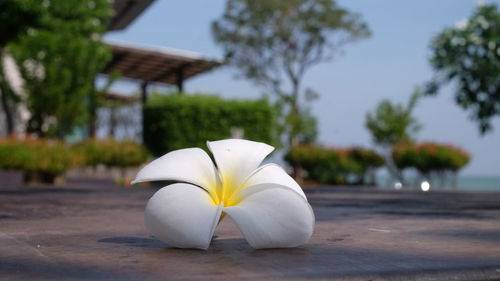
{"x":111,"y":153}
{"x":177,"y":121}
{"x":335,"y":165}
{"x":429,"y":157}
{"x":54,"y":158}
{"x":36,"y":155}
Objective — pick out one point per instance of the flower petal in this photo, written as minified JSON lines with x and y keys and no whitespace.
{"x":182,"y":215}
{"x":236,"y":159}
{"x":273,"y":173}
{"x":272,"y":216}
{"x":192,"y":165}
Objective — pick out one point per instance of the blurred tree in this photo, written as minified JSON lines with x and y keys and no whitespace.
{"x":469,"y":55}
{"x":59,"y":61}
{"x":274,"y":43}
{"x":16,"y":16}
{"x":391,"y":124}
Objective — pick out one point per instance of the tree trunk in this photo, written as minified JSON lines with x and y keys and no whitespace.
{"x":112,"y":122}
{"x":9,"y":118}
{"x":298,"y":173}
{"x":92,"y":112}
{"x":394,"y":172}
{"x":5,"y":93}
{"x":454,"y":180}
{"x":371,"y":177}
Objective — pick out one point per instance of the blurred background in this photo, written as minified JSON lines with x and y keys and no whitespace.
{"x":401,"y":95}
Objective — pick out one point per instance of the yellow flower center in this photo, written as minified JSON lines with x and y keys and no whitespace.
{"x":227,"y":193}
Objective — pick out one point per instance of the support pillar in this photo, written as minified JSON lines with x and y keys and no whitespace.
{"x":180,"y":80}
{"x":144,"y":92}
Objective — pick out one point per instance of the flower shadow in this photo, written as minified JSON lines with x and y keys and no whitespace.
{"x":140,"y":242}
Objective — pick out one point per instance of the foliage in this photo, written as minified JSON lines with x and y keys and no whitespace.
{"x":59,"y":61}
{"x":335,"y":165}
{"x":392,"y":123}
{"x":174,"y":121}
{"x":429,"y":157}
{"x":366,"y":157}
{"x":111,"y":153}
{"x":47,"y":157}
{"x":300,"y":127}
{"x":36,"y":156}
{"x":469,"y":56}
{"x":16,"y":17}
{"x":274,"y":43}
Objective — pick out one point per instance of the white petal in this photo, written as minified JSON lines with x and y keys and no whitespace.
{"x":192,"y":165}
{"x":273,"y":216}
{"x":182,"y":215}
{"x":236,"y":159}
{"x":273,"y":173}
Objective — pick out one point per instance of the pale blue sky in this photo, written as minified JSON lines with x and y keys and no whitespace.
{"x":387,"y":65}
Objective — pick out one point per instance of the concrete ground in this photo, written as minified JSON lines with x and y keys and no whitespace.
{"x":95,"y":231}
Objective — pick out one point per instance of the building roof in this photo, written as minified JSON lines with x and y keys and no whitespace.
{"x":119,"y":97}
{"x":126,"y":11}
{"x":156,"y":64}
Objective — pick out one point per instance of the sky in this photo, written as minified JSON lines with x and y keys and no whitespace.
{"x":388,"y":65}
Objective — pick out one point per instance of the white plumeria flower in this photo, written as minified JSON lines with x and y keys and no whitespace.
{"x":267,"y":205}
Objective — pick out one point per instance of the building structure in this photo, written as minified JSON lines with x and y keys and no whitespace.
{"x":139,"y":63}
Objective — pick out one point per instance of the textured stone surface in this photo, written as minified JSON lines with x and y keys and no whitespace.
{"x":92,"y":232}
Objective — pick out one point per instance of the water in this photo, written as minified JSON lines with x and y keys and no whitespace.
{"x":471,"y":183}
{"x":490,"y":183}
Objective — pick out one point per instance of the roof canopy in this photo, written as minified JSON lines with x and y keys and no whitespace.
{"x":154,"y":64}
{"x":126,"y":11}
{"x":121,"y":98}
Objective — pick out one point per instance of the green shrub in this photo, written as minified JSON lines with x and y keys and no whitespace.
{"x":317,"y":161}
{"x":177,"y":121}
{"x":405,"y":155}
{"x":430,"y":157}
{"x":36,"y":156}
{"x":367,"y":158}
{"x":111,"y":153}
{"x":334,"y":165}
